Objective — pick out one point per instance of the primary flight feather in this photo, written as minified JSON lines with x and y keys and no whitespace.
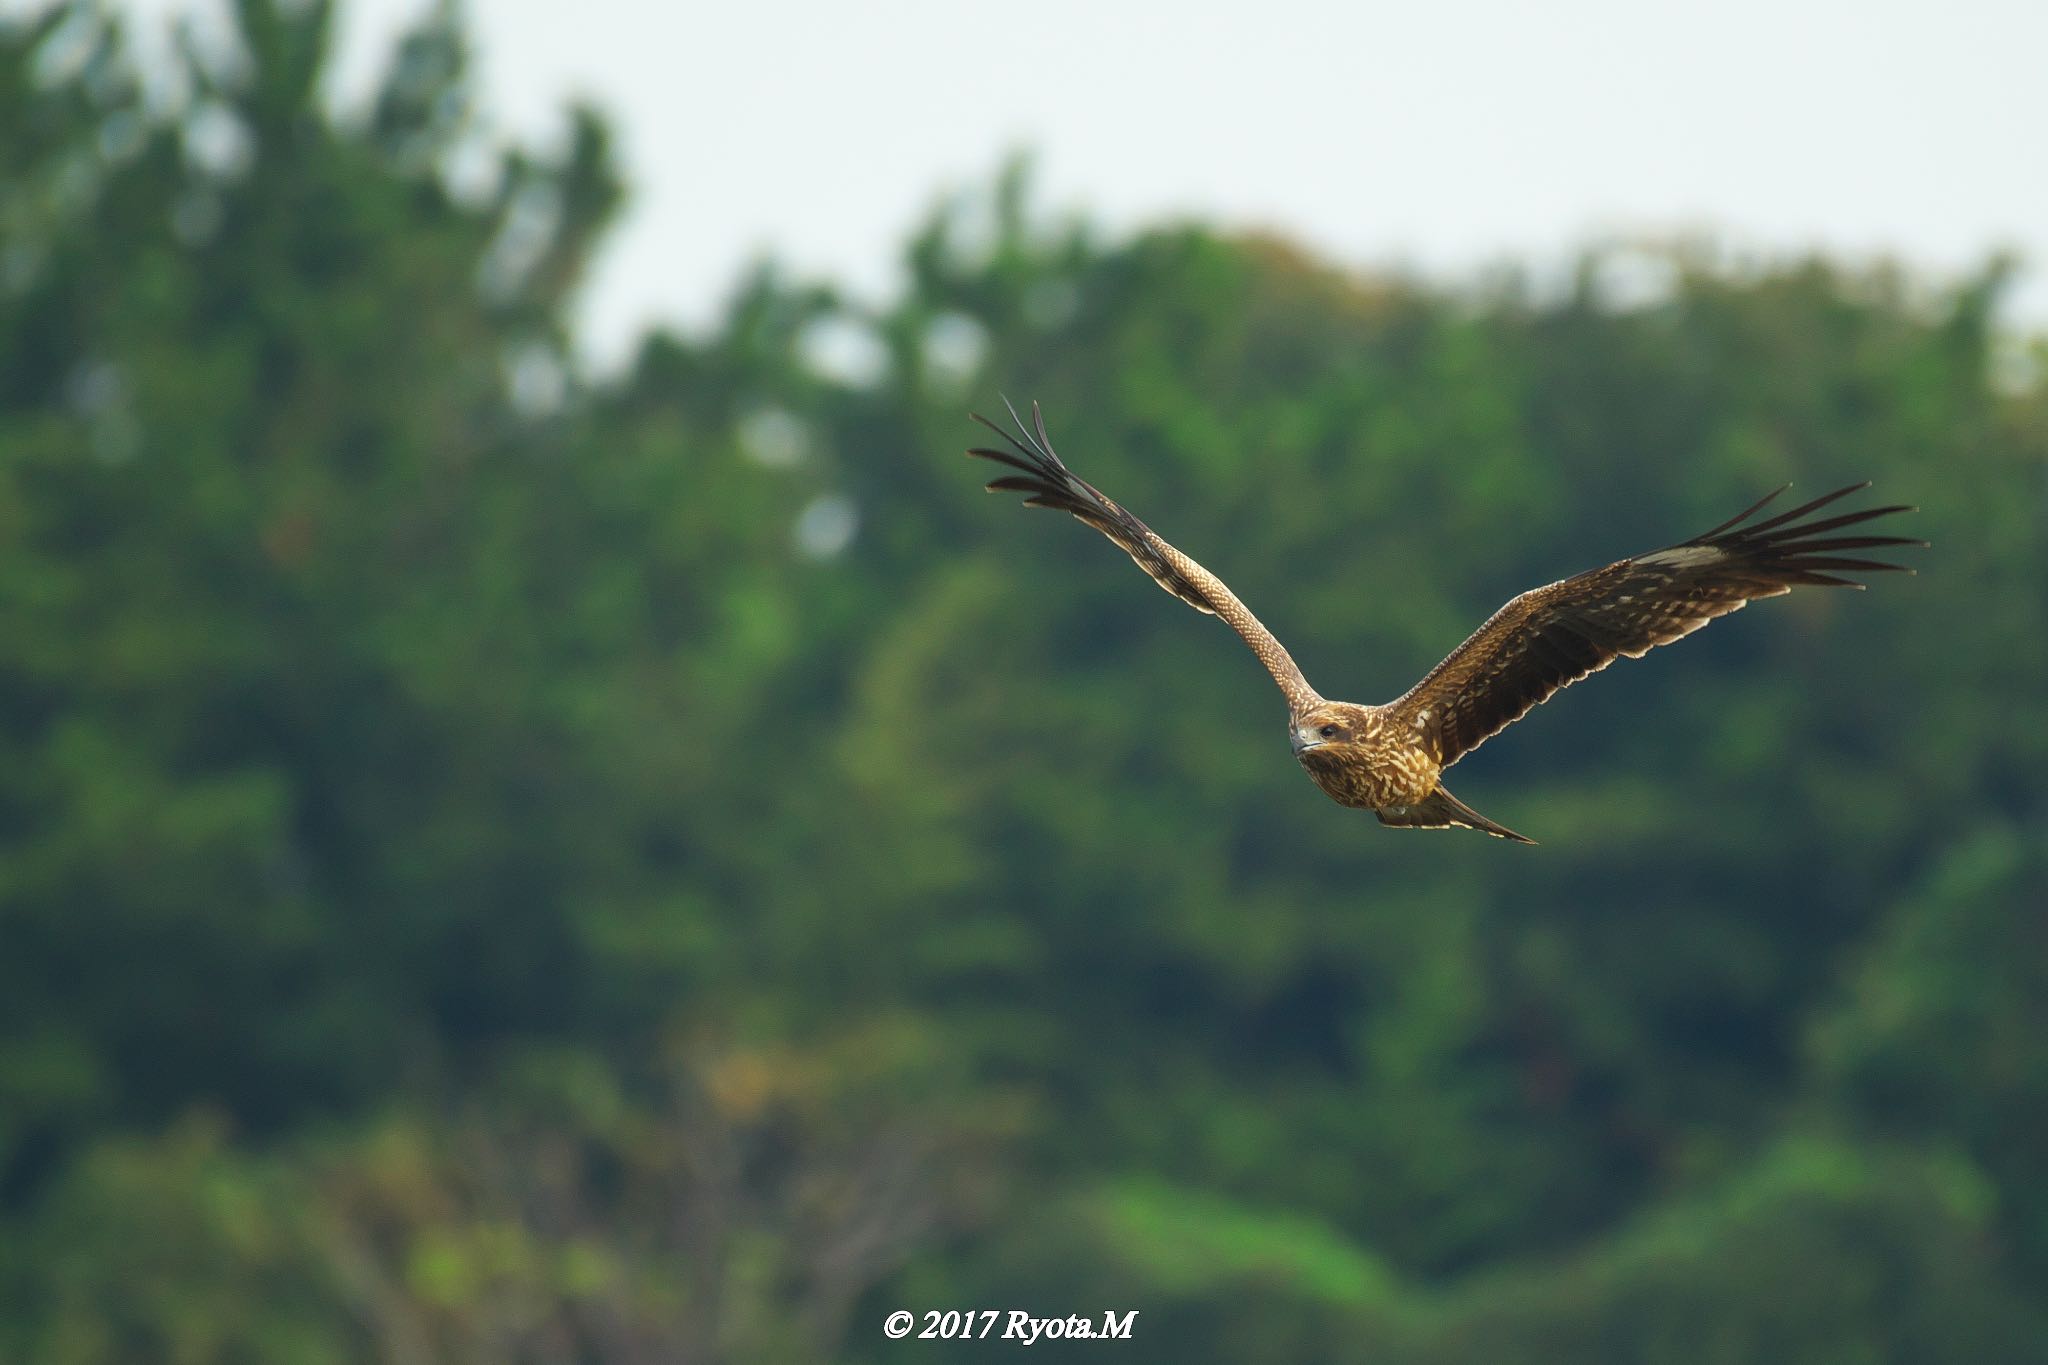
{"x":1390,"y":759}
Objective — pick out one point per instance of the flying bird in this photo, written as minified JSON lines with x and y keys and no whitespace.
{"x":1390,"y":759}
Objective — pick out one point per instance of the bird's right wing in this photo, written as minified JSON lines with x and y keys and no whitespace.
{"x":1049,"y":483}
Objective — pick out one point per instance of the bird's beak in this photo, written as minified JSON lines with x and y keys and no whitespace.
{"x":1304,"y":742}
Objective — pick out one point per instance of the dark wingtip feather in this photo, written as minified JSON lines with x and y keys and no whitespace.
{"x":1859,"y":543}
{"x":1822,"y":501}
{"x":1797,"y":549}
{"x":1745,"y":514}
{"x":1004,"y":457}
{"x":1033,"y":453}
{"x":1042,"y":446}
{"x":1771,"y":532}
{"x":1838,"y":562}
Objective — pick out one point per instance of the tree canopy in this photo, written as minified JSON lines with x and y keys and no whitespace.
{"x":503,"y":863}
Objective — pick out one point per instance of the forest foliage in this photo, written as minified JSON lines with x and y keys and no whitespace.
{"x":499,"y":863}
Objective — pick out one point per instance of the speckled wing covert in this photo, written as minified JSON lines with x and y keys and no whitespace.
{"x":1550,"y":638}
{"x":1049,"y":483}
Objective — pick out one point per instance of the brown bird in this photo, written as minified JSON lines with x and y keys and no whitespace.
{"x":1390,"y":759}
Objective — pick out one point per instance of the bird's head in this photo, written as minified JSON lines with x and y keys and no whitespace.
{"x":1329,"y":729}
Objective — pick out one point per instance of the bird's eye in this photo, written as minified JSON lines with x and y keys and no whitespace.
{"x":1328,"y":732}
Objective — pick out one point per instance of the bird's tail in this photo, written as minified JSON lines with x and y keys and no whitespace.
{"x":1441,"y":810}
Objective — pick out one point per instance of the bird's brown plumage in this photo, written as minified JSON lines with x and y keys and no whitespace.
{"x":1390,"y":758}
{"x":1051,"y":484}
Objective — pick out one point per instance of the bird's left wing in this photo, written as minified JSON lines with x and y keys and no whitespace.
{"x":1550,"y":638}
{"x":1049,"y":483}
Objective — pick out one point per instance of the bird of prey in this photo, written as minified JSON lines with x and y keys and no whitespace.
{"x":1390,"y":759}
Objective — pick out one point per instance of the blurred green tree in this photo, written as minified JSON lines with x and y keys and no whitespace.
{"x":408,"y":737}
{"x":262,"y":382}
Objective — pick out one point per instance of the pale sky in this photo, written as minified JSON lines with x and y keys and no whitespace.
{"x":1445,"y":136}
